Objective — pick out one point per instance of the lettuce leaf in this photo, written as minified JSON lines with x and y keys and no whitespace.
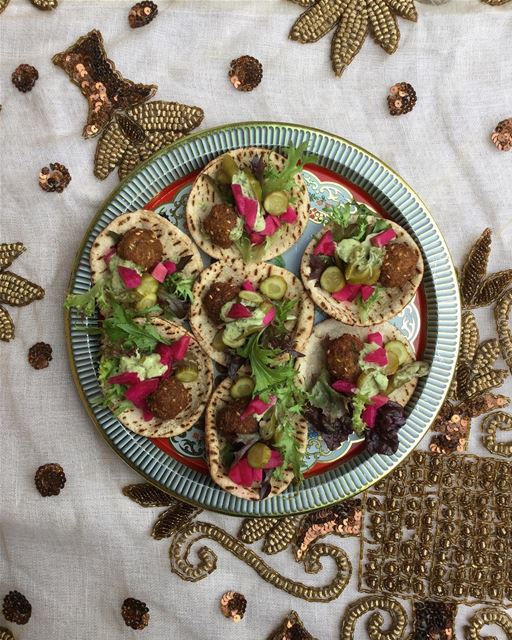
{"x":120,"y":328}
{"x":322,"y":395}
{"x":365,"y":306}
{"x":284,"y":180}
{"x":86,"y":302}
{"x":359,"y":401}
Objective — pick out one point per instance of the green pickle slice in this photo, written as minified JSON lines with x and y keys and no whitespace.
{"x":242,"y":388}
{"x":258,"y":455}
{"x":232,"y":338}
{"x":332,"y":279}
{"x":229,"y":166}
{"x":274,"y":287}
{"x":251,"y":296}
{"x":392,"y":365}
{"x":187,"y":372}
{"x":276,"y":203}
{"x":218,"y":343}
{"x":399,"y":349}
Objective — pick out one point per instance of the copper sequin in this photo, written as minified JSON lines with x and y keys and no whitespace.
{"x":502,"y":135}
{"x":16,"y":608}
{"x":24,"y":77}
{"x":135,"y":614}
{"x":50,"y":479}
{"x":233,"y":605}
{"x":142,"y":13}
{"x":343,"y":519}
{"x":401,"y":99}
{"x":39,"y":355}
{"x":54,"y":178}
{"x":245,"y":73}
{"x":103,"y":86}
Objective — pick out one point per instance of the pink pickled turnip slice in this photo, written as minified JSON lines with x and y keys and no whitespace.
{"x":375,"y":338}
{"x":109,"y":254}
{"x":247,"y":207}
{"x":269,"y":316}
{"x":276,"y":460}
{"x":289,"y":216}
{"x":138,"y":393}
{"x":379,"y":401}
{"x":344,"y":386}
{"x":128,"y":378}
{"x":234,"y":474}
{"x":382,"y":238}
{"x":257,"y":406}
{"x":325,"y":245}
{"x":146,"y":414}
{"x":179,"y":348}
{"x":239,"y":311}
{"x":256,"y":238}
{"x":247,"y":285}
{"x":131,"y":279}
{"x":170,"y":267}
{"x":242,"y":473}
{"x":366,"y":291}
{"x":271,"y":226}
{"x":165,"y":352}
{"x":348,"y":293}
{"x":160,"y":272}
{"x":369,"y":414}
{"x":378,"y":357}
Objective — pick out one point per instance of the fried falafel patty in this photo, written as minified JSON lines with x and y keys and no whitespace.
{"x":216,"y":297}
{"x":399,"y":266}
{"x":342,"y":357}
{"x":140,"y":246}
{"x":219,"y":224}
{"x":169,"y":400}
{"x":229,"y":420}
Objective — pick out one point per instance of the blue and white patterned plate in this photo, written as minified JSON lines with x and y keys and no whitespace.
{"x":440,"y":325}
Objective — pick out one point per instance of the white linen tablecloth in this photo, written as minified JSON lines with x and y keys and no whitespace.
{"x":77,"y":556}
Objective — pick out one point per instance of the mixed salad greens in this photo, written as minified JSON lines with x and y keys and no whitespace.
{"x":135,"y":359}
{"x":339,"y":407}
{"x":166,"y":291}
{"x":262,"y":197}
{"x":347,"y":259}
{"x":261,"y":337}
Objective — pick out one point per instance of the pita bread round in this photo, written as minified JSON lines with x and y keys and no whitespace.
{"x":312,"y":365}
{"x":235,"y":271}
{"x":203,"y":196}
{"x":176,"y":244}
{"x":215,"y":442}
{"x":391,"y":301}
{"x":200,"y":391}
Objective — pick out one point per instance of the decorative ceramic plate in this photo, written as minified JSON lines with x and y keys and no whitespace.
{"x":431,"y":322}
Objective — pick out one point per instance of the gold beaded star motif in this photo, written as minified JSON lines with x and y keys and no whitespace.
{"x":351,"y":21}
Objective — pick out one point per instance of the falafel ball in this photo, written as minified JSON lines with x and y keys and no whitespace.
{"x":342,"y":357}
{"x":140,"y":246}
{"x":399,"y":266}
{"x":216,"y":297}
{"x":229,"y":420}
{"x":219,"y":223}
{"x":169,"y":400}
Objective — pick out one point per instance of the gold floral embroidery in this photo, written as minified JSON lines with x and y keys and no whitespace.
{"x":352,"y":21}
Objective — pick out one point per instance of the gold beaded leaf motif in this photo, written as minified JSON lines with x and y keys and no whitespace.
{"x":14,"y":290}
{"x":352,"y":21}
